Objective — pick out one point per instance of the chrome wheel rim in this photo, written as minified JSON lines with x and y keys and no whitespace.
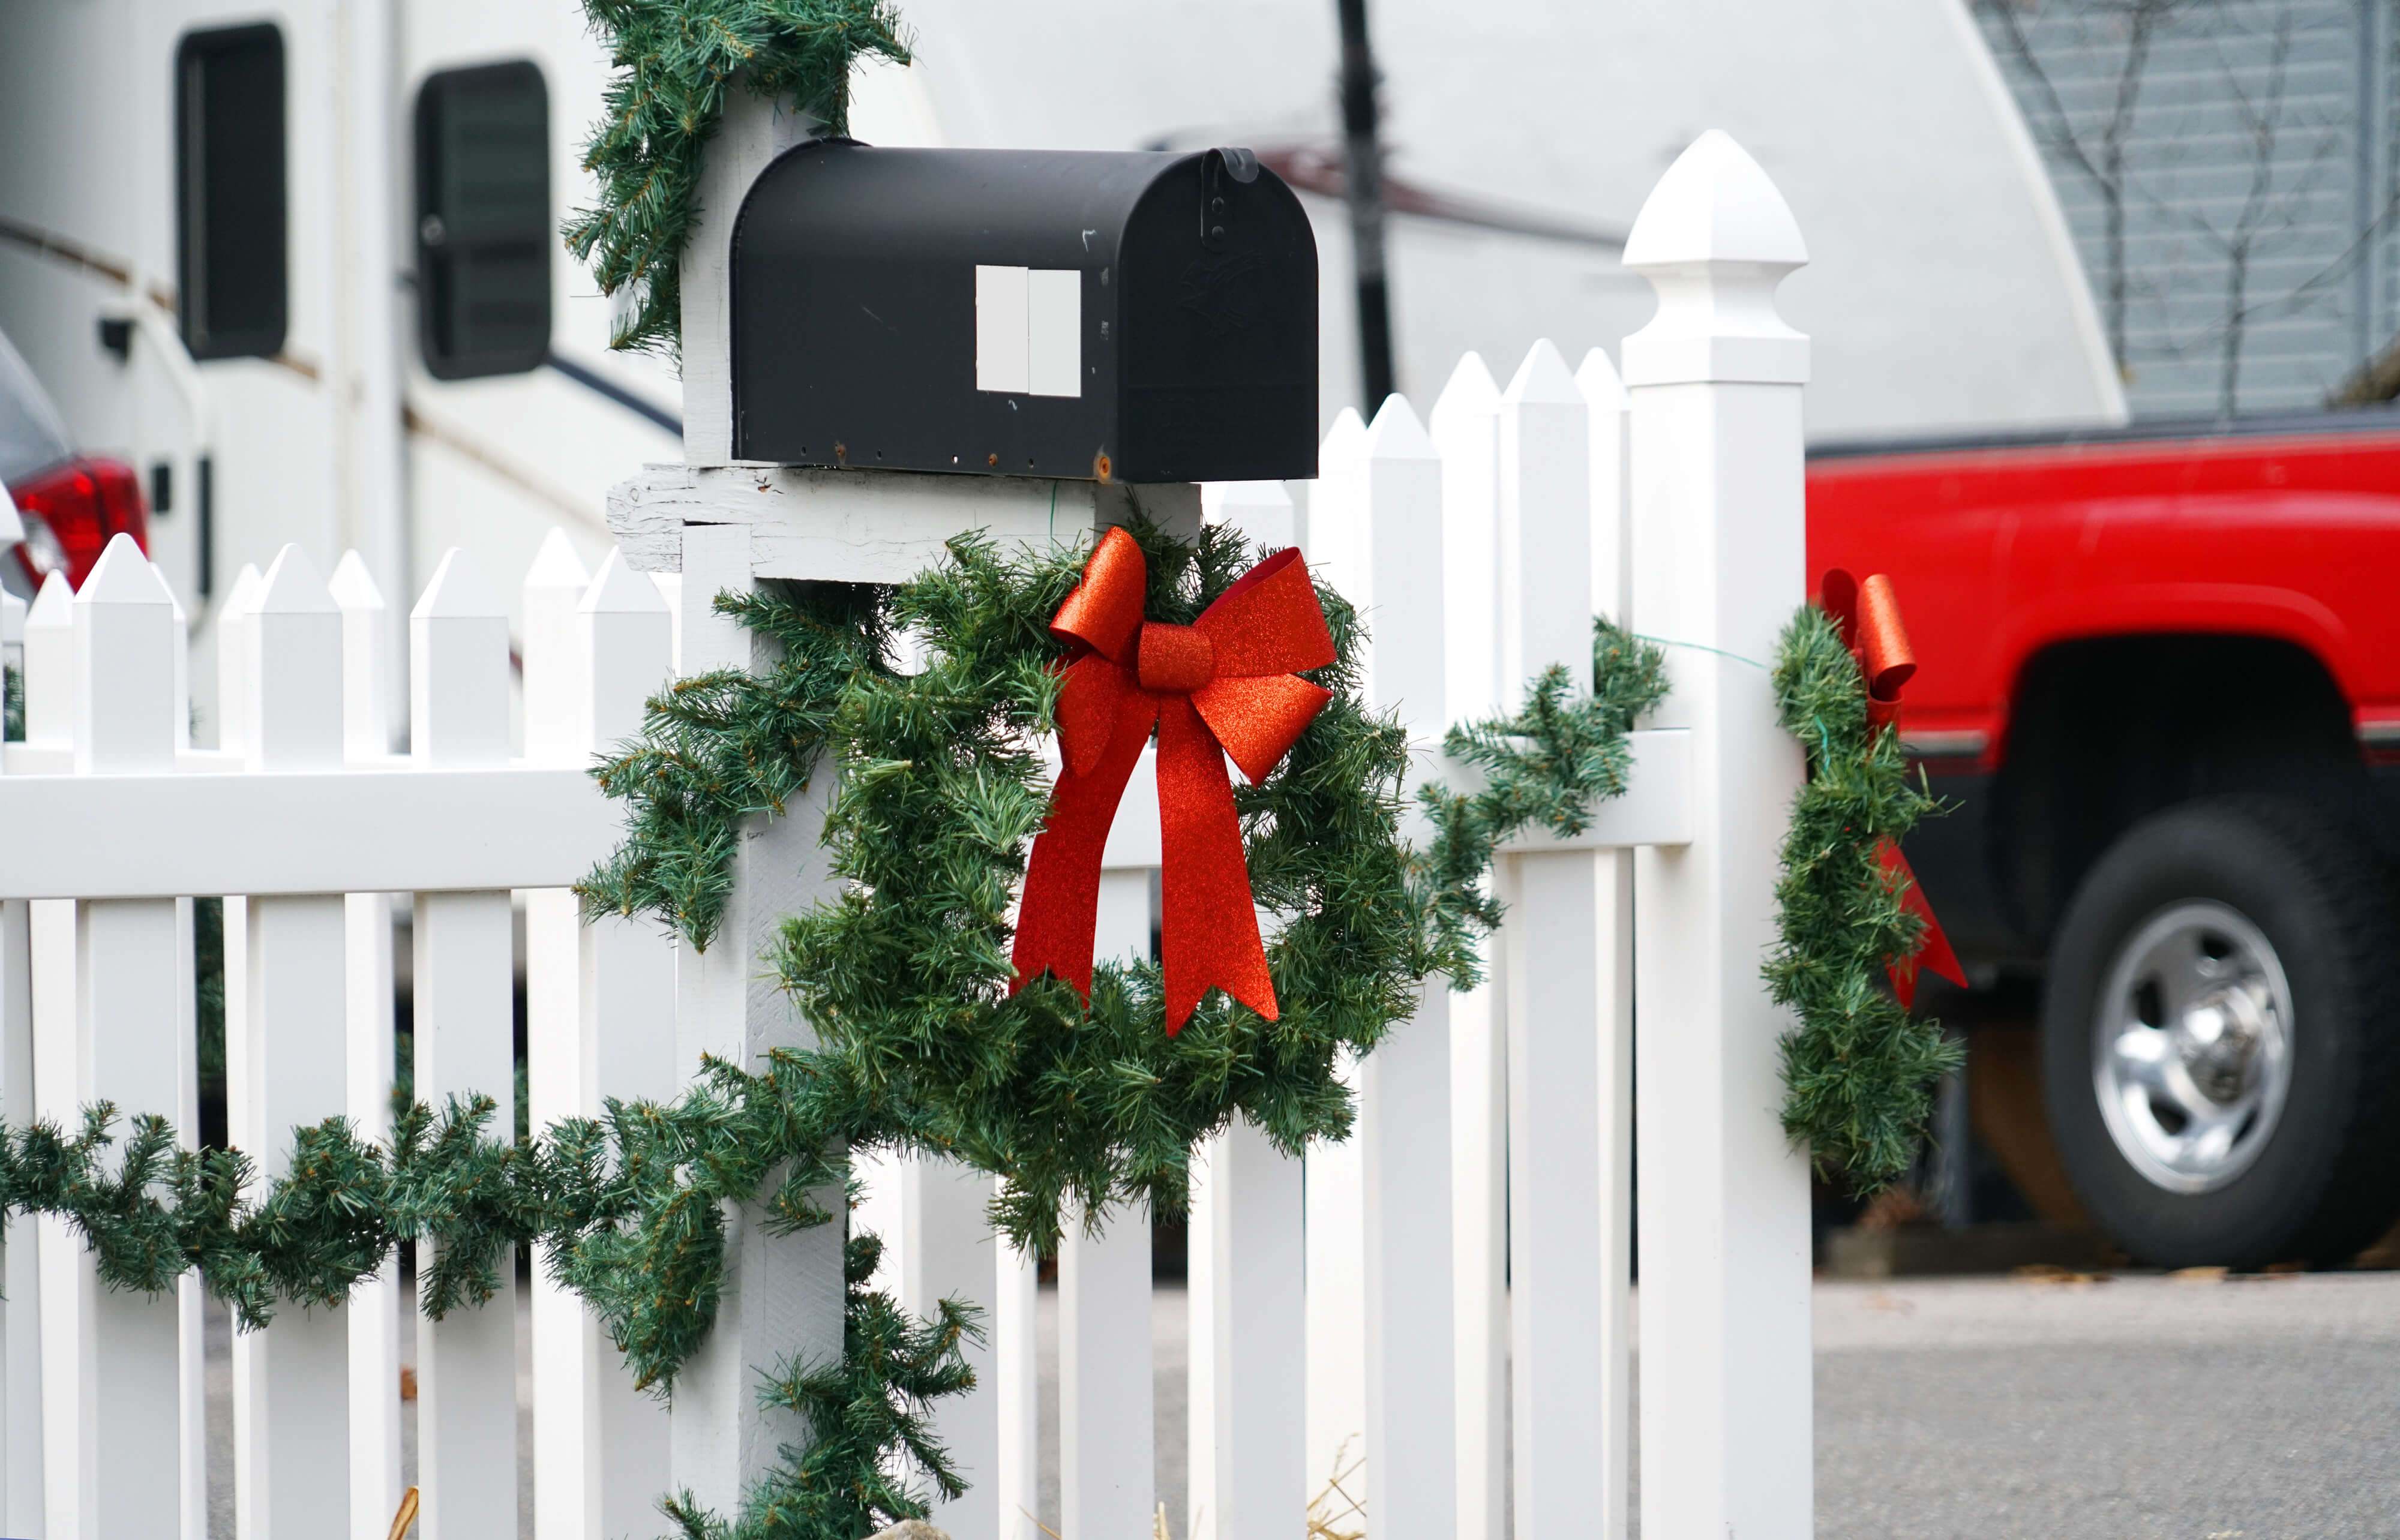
{"x":2192,"y":1046}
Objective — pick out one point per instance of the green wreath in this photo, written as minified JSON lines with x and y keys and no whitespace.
{"x":940,"y":789}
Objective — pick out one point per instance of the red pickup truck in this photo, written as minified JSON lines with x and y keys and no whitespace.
{"x":2160,"y":690}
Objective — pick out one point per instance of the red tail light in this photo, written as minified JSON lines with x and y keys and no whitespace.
{"x":72,"y":511}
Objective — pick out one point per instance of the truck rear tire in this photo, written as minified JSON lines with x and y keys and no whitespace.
{"x":2220,"y":1041}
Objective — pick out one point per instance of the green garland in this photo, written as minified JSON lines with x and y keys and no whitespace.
{"x":1859,"y":1070}
{"x":674,"y":61}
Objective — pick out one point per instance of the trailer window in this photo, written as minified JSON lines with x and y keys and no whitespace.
{"x":231,"y":267}
{"x":483,"y":220}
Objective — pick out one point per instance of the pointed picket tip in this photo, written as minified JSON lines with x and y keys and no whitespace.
{"x":1470,"y":391}
{"x":353,"y":586}
{"x":1543,"y":377}
{"x":1599,"y":382}
{"x":292,"y":587}
{"x":619,"y":589}
{"x":124,"y":576}
{"x":458,"y":589}
{"x":1397,"y":435}
{"x":1343,"y":436}
{"x":1714,"y":204}
{"x":241,"y":595}
{"x":556,"y":565}
{"x":50,"y":606}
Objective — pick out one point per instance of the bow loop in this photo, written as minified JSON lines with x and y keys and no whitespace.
{"x":1104,"y":611}
{"x":1269,"y":621}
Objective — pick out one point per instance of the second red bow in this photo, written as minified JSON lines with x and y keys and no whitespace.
{"x":1869,"y":615}
{"x":1224,"y":685}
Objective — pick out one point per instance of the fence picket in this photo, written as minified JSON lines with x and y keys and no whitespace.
{"x":1613,"y":942}
{"x":593,"y":653}
{"x":21,"y":1307}
{"x":1332,"y":1197}
{"x":947,"y":1251}
{"x":1718,"y":538}
{"x":376,"y":1303}
{"x":1106,"y":1397}
{"x":284,"y":1071}
{"x":49,"y":659}
{"x":1247,"y":1297}
{"x":121,"y":1450}
{"x":1016,"y":1382}
{"x":1263,"y":512}
{"x":464,"y":1031}
{"x":1551,"y":944}
{"x":1379,"y":539}
{"x":1465,"y":425}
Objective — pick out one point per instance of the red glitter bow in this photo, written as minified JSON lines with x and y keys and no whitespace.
{"x":1222,"y":685}
{"x":1869,"y":615}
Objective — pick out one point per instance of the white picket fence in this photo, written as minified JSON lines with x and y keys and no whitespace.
{"x":1437,"y":1312}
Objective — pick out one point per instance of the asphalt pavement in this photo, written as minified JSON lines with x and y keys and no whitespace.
{"x":2008,"y":1408}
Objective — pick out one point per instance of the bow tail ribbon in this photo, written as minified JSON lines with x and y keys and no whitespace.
{"x":1868,"y":614}
{"x":1059,"y":920}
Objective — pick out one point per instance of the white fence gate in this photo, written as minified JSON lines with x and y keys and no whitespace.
{"x":1436,"y":1313}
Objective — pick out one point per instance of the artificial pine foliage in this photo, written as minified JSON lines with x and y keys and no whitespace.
{"x":1859,"y":1070}
{"x":674,"y":61}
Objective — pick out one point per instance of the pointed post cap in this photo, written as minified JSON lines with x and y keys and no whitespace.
{"x":1714,"y":240}
{"x":1714,"y":204}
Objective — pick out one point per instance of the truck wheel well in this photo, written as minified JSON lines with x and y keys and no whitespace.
{"x":2103,"y":732}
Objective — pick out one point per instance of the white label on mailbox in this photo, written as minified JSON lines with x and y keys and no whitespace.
{"x":1054,"y":332}
{"x":1002,"y":362}
{"x":1030,"y":331}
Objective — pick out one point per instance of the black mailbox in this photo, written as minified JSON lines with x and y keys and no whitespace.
{"x":1134,"y":317}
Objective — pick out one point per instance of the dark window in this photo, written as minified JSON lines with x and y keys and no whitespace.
{"x":483,"y":220}
{"x":231,"y":269}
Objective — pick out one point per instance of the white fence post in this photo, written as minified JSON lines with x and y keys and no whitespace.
{"x":1381,"y":543}
{"x":1718,"y":545}
{"x":1555,"y":981}
{"x":782,"y":1295}
{"x":21,"y":1315}
{"x":375,"y":1304}
{"x":1465,"y":425}
{"x":286,"y":1070}
{"x":463,"y":1023}
{"x":596,"y":998}
{"x":1107,"y":1396}
{"x":120,"y":1450}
